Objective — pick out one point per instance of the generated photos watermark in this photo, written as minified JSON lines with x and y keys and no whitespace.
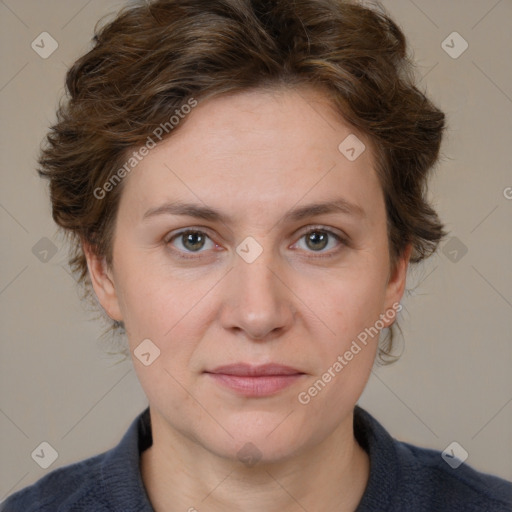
{"x":304,"y":397}
{"x":138,"y":155}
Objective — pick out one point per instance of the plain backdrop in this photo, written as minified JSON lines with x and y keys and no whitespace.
{"x":453,"y":381}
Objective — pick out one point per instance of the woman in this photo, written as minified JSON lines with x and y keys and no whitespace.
{"x":205,"y":150}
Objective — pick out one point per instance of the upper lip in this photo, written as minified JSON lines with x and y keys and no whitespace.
{"x":248,"y":370}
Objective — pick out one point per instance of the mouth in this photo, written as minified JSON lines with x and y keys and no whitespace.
{"x":255,"y":381}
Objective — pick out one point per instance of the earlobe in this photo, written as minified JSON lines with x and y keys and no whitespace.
{"x":397,"y":279}
{"x":102,"y":282}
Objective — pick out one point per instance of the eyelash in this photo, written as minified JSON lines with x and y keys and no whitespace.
{"x":181,"y":254}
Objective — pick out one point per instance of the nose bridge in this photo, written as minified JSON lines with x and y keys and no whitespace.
{"x":258,"y":302}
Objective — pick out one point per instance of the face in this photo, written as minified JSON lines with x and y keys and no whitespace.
{"x":249,"y":274}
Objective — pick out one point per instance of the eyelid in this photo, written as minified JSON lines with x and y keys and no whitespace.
{"x":184,"y":254}
{"x":192,"y":229}
{"x":337,"y":233}
{"x":342,"y":238}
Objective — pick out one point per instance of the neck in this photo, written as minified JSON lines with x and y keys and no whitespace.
{"x":180,"y":474}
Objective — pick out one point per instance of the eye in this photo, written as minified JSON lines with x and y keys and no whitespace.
{"x":191,"y":241}
{"x":317,"y":239}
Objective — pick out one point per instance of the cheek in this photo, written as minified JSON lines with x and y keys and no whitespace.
{"x":346,"y":359}
{"x":359,"y":308}
{"x":169,"y":310}
{"x":150,"y":305}
{"x":350,"y":308}
{"x":353,"y":301}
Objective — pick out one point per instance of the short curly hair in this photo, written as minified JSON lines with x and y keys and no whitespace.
{"x":147,"y":62}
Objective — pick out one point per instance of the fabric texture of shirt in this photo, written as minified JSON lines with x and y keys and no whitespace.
{"x":402,"y":477}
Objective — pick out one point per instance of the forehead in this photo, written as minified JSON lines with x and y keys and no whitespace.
{"x":260,"y":149}
{"x":275,"y":124}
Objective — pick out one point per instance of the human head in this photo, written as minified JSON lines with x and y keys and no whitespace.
{"x":155,"y":58}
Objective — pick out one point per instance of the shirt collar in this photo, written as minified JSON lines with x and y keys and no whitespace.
{"x":120,"y":472}
{"x":123,"y":485}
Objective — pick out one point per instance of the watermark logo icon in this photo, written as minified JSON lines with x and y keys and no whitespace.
{"x":454,"y":249}
{"x":249,"y":250}
{"x":454,"y":455}
{"x":454,"y":45}
{"x":44,"y":250}
{"x":351,"y":147}
{"x":44,"y":45}
{"x":249,"y":454}
{"x":146,"y":352}
{"x":44,"y":455}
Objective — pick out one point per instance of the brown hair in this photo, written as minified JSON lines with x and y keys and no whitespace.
{"x":153,"y":57}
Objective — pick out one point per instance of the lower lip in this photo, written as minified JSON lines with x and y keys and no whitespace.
{"x":256,"y":386}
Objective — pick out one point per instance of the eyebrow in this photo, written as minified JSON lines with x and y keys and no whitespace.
{"x":198,"y":211}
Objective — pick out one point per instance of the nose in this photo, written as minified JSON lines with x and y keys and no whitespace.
{"x":257,"y":301}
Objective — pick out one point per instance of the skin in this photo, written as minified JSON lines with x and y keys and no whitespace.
{"x":253,"y":156}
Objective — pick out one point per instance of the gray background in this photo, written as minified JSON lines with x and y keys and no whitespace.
{"x":453,"y":380}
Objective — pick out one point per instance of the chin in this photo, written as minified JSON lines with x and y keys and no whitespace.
{"x":258,"y":441}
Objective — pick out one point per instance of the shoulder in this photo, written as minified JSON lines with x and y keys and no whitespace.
{"x":405,"y":477}
{"x":434,"y":481}
{"x":62,"y":489}
{"x":108,"y":481}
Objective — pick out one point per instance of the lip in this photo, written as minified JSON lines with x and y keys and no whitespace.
{"x":248,"y":370}
{"x":255,"y":381}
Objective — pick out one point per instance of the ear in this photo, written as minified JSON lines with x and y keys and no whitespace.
{"x":102,"y":282}
{"x":396,"y":283}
